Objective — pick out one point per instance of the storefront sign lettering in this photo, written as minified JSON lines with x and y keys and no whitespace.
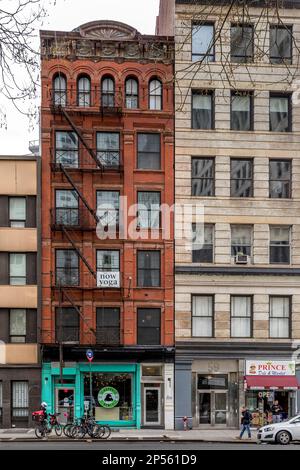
{"x":275,"y":368}
{"x":108,"y":280}
{"x":108,"y":397}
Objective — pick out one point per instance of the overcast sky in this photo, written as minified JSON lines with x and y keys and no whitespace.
{"x":67,"y":15}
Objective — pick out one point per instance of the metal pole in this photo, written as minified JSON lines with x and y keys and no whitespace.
{"x":61,"y":357}
{"x":91,"y":390}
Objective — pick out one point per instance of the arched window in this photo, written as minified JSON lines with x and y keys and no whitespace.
{"x":155,"y":94}
{"x":132,"y":93}
{"x":108,"y":92}
{"x":60,"y":90}
{"x":84,"y":92}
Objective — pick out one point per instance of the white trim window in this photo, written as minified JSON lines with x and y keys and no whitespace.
{"x":202,"y":316}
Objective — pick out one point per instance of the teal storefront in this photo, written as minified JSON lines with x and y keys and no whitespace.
{"x":113,"y":393}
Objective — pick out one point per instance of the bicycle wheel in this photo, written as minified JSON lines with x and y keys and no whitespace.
{"x":58,"y":430}
{"x":39,"y":432}
{"x":78,"y":432}
{"x":107,"y":432}
{"x":67,"y":429}
{"x":94,"y":430}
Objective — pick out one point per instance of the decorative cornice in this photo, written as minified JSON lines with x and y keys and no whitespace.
{"x":107,"y":31}
{"x":236,"y":271}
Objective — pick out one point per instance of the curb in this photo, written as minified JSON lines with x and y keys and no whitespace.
{"x":141,"y":439}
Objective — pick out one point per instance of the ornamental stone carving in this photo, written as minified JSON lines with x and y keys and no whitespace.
{"x":107,"y":30}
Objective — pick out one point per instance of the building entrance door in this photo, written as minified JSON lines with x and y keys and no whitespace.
{"x":64,"y":404}
{"x":152,"y":407}
{"x":212,"y":408}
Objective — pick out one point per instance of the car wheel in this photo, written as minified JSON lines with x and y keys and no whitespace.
{"x":283,"y":438}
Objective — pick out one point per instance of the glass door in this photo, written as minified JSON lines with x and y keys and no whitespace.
{"x":220,"y":408}
{"x":64,"y":404}
{"x":204,"y":405}
{"x":152,"y":406}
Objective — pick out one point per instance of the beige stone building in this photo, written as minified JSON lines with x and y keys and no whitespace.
{"x":237,"y":154}
{"x":19,"y":235}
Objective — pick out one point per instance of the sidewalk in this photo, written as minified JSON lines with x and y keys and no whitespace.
{"x":142,"y":435}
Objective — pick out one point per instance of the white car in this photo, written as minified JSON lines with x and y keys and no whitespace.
{"x":281,"y":433}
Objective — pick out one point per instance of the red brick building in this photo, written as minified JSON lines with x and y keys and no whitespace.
{"x":107,"y":132}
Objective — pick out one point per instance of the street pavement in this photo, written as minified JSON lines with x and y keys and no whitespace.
{"x":134,"y":446}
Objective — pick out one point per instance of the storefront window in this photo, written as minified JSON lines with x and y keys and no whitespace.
{"x":260,"y":403}
{"x":111,"y":396}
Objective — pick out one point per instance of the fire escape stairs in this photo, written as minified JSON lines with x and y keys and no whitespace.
{"x":77,"y":309}
{"x":67,"y":231}
{"x":80,"y":136}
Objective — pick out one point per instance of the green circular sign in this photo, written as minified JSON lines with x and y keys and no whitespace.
{"x":108,"y":397}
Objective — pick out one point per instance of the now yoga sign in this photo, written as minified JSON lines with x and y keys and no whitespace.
{"x":108,"y":279}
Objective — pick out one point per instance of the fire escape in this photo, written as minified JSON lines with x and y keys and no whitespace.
{"x":86,"y":220}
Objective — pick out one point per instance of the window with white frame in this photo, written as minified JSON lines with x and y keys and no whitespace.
{"x":108,"y":206}
{"x":203,"y":243}
{"x":60,"y":90}
{"x":17,"y":269}
{"x":132,"y":93}
{"x":108,"y":260}
{"x":66,"y":148}
{"x":241,"y":316}
{"x":17,"y":211}
{"x":17,"y":325}
{"x":20,"y":399}
{"x":149,"y":209}
{"x":155,"y":94}
{"x":202,"y":316}
{"x":280,"y":311}
{"x":84,"y":92}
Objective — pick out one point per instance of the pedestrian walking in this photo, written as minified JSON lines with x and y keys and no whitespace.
{"x":276,"y":412}
{"x":245,"y":422}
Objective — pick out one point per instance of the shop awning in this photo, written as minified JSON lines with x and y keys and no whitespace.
{"x":262,"y":382}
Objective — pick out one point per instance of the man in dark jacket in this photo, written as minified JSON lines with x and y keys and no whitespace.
{"x":246,"y":422}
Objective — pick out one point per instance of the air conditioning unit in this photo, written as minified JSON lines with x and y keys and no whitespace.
{"x":241,"y":259}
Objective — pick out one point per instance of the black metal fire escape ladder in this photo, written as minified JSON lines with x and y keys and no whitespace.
{"x":68,"y":177}
{"x":93,"y":273}
{"x":77,"y":309}
{"x":80,"y":136}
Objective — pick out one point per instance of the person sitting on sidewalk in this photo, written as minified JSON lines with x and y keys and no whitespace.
{"x":246,"y":422}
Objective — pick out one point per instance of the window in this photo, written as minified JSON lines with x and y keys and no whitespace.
{"x":202,"y":110}
{"x":108,"y":260}
{"x":108,"y":325}
{"x":148,"y":209}
{"x":108,"y":92}
{"x":281,"y":45}
{"x":17,"y":211}
{"x":66,"y":148}
{"x":67,"y":268}
{"x":202,"y":316}
{"x":20,"y":400}
{"x":241,"y":236}
{"x":241,"y":317}
{"x":17,"y":269}
{"x":242,"y":43}
{"x":17,"y":325}
{"x":280,"y":113}
{"x":203,"y":243}
{"x":203,"y":42}
{"x":84,"y":92}
{"x":67,"y":324}
{"x":149,"y":326}
{"x":241,"y":111}
{"x":241,"y":178}
{"x":280,"y":179}
{"x":148,"y":264}
{"x":108,"y":148}
{"x":280,"y":310}
{"x":60,"y":90}
{"x":108,"y":205}
{"x":132,"y":93}
{"x":67,"y":207}
{"x":280,"y":245}
{"x":149,"y":152}
{"x":203,"y":177}
{"x":155,"y":94}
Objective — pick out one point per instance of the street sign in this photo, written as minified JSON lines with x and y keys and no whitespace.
{"x":90,"y":355}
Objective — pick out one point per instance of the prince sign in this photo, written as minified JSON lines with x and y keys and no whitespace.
{"x":108,"y":279}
